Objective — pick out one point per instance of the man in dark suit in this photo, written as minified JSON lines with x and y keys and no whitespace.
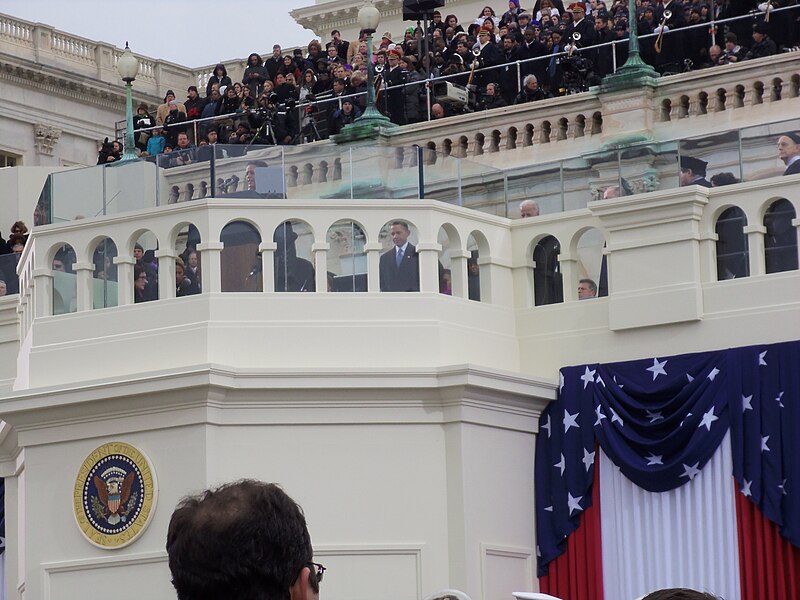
{"x":490,"y":56}
{"x":399,"y":267}
{"x":693,"y":172}
{"x":395,"y":77}
{"x":789,"y":152}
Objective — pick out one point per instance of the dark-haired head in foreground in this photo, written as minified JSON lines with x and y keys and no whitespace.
{"x":680,"y":594}
{"x":243,"y":540}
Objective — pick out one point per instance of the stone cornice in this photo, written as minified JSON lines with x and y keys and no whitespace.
{"x":54,"y":81}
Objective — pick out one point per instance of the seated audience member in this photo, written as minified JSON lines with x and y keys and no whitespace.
{"x":192,"y":268}
{"x":726,"y":178}
{"x":528,"y":208}
{"x":184,"y":153}
{"x":587,"y":288}
{"x":437,"y":111}
{"x":20,"y":230}
{"x":680,"y":594}
{"x":693,"y":172}
{"x":141,"y":291}
{"x":109,"y":152}
{"x":763,"y":46}
{"x":473,"y":279}
{"x":492,"y":98}
{"x":183,"y":284}
{"x":714,"y":56}
{"x":530,"y":91}
{"x":241,"y":541}
{"x":788,"y":152}
{"x":732,"y":52}
{"x":344,"y":116}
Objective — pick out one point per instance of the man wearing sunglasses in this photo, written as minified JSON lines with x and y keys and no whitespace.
{"x":246,"y":539}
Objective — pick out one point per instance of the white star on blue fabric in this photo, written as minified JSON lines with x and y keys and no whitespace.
{"x":764,"y":440}
{"x":761,"y":361}
{"x":714,"y":372}
{"x":573,"y":503}
{"x":560,"y":381}
{"x":562,"y":464}
{"x":619,"y":385}
{"x":778,"y":400}
{"x":588,"y":459}
{"x":600,"y":416}
{"x":708,"y":419}
{"x":657,"y":368}
{"x":746,"y":488}
{"x":654,"y":416}
{"x":654,"y":459}
{"x":549,"y":508}
{"x":615,"y":417}
{"x":691,"y":472}
{"x":588,"y":377}
{"x":600,"y":380}
{"x":746,"y":405}
{"x":547,"y":426}
{"x":570,"y":421}
{"x":782,"y":487}
{"x":684,"y":419}
{"x":690,"y":378}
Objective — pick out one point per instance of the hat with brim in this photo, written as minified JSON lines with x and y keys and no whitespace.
{"x":697,"y":166}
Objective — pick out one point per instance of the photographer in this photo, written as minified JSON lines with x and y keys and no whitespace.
{"x":492,"y":98}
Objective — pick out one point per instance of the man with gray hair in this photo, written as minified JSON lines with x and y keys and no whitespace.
{"x":530,"y":91}
{"x":528,"y":208}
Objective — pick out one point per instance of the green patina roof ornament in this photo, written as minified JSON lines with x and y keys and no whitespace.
{"x":635,"y":72}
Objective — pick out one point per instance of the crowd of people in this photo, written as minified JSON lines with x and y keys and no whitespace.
{"x":10,"y":252}
{"x":498,"y":57}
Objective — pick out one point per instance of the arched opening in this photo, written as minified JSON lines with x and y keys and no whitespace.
{"x":399,"y":263}
{"x":666,"y":109}
{"x":529,"y":132}
{"x":758,"y":92}
{"x":188,"y":238}
{"x":144,"y":253}
{"x":430,"y":158}
{"x":794,"y":86}
{"x":511,"y":138}
{"x":495,"y":145}
{"x":479,"y":141}
{"x":738,"y":96}
{"x":683,"y":107}
{"x":580,"y":126}
{"x":476,"y":285}
{"x":294,"y":268}
{"x":733,"y":256}
{"x":720,"y":98}
{"x":780,"y":240}
{"x":545,"y":132}
{"x":592,"y":267}
{"x":597,"y":123}
{"x":563,"y":127}
{"x":447,"y":147}
{"x":65,"y":283}
{"x":347,"y":258}
{"x":104,"y":282}
{"x":448,"y":240}
{"x":240,"y":260}
{"x":547,"y":281}
{"x":776,"y":90}
{"x":463,"y":143}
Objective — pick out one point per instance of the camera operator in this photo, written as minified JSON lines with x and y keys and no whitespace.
{"x":530,"y":91}
{"x":491,"y":98}
{"x":271,"y":120}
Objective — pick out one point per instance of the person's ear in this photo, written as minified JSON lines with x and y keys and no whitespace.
{"x":301,"y":589}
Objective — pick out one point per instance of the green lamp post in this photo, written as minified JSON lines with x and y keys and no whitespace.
{"x":128,"y":67}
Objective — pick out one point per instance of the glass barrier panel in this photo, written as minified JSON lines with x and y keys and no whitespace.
{"x":104,"y":280}
{"x":293,"y":258}
{"x":65,"y":284}
{"x":347,"y":259}
{"x":650,"y":167}
{"x":130,"y":186}
{"x":761,"y":155}
{"x":716,"y":157}
{"x":318,"y":172}
{"x":240,"y":261}
{"x":77,"y":194}
{"x":540,"y":184}
{"x":576,"y":176}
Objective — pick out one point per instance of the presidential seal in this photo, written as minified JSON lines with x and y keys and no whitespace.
{"x":115,"y":495}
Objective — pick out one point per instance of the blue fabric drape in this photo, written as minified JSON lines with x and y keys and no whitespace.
{"x":660,"y":420}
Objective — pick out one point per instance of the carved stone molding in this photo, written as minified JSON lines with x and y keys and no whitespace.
{"x":45,"y":138}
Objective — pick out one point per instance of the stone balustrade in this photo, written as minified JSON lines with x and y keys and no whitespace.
{"x":88,"y":61}
{"x":661,"y":250}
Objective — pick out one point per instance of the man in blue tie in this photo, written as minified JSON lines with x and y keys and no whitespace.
{"x":399,"y":267}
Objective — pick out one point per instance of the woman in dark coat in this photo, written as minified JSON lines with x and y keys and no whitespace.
{"x":255,"y":74}
{"x":220,"y":76}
